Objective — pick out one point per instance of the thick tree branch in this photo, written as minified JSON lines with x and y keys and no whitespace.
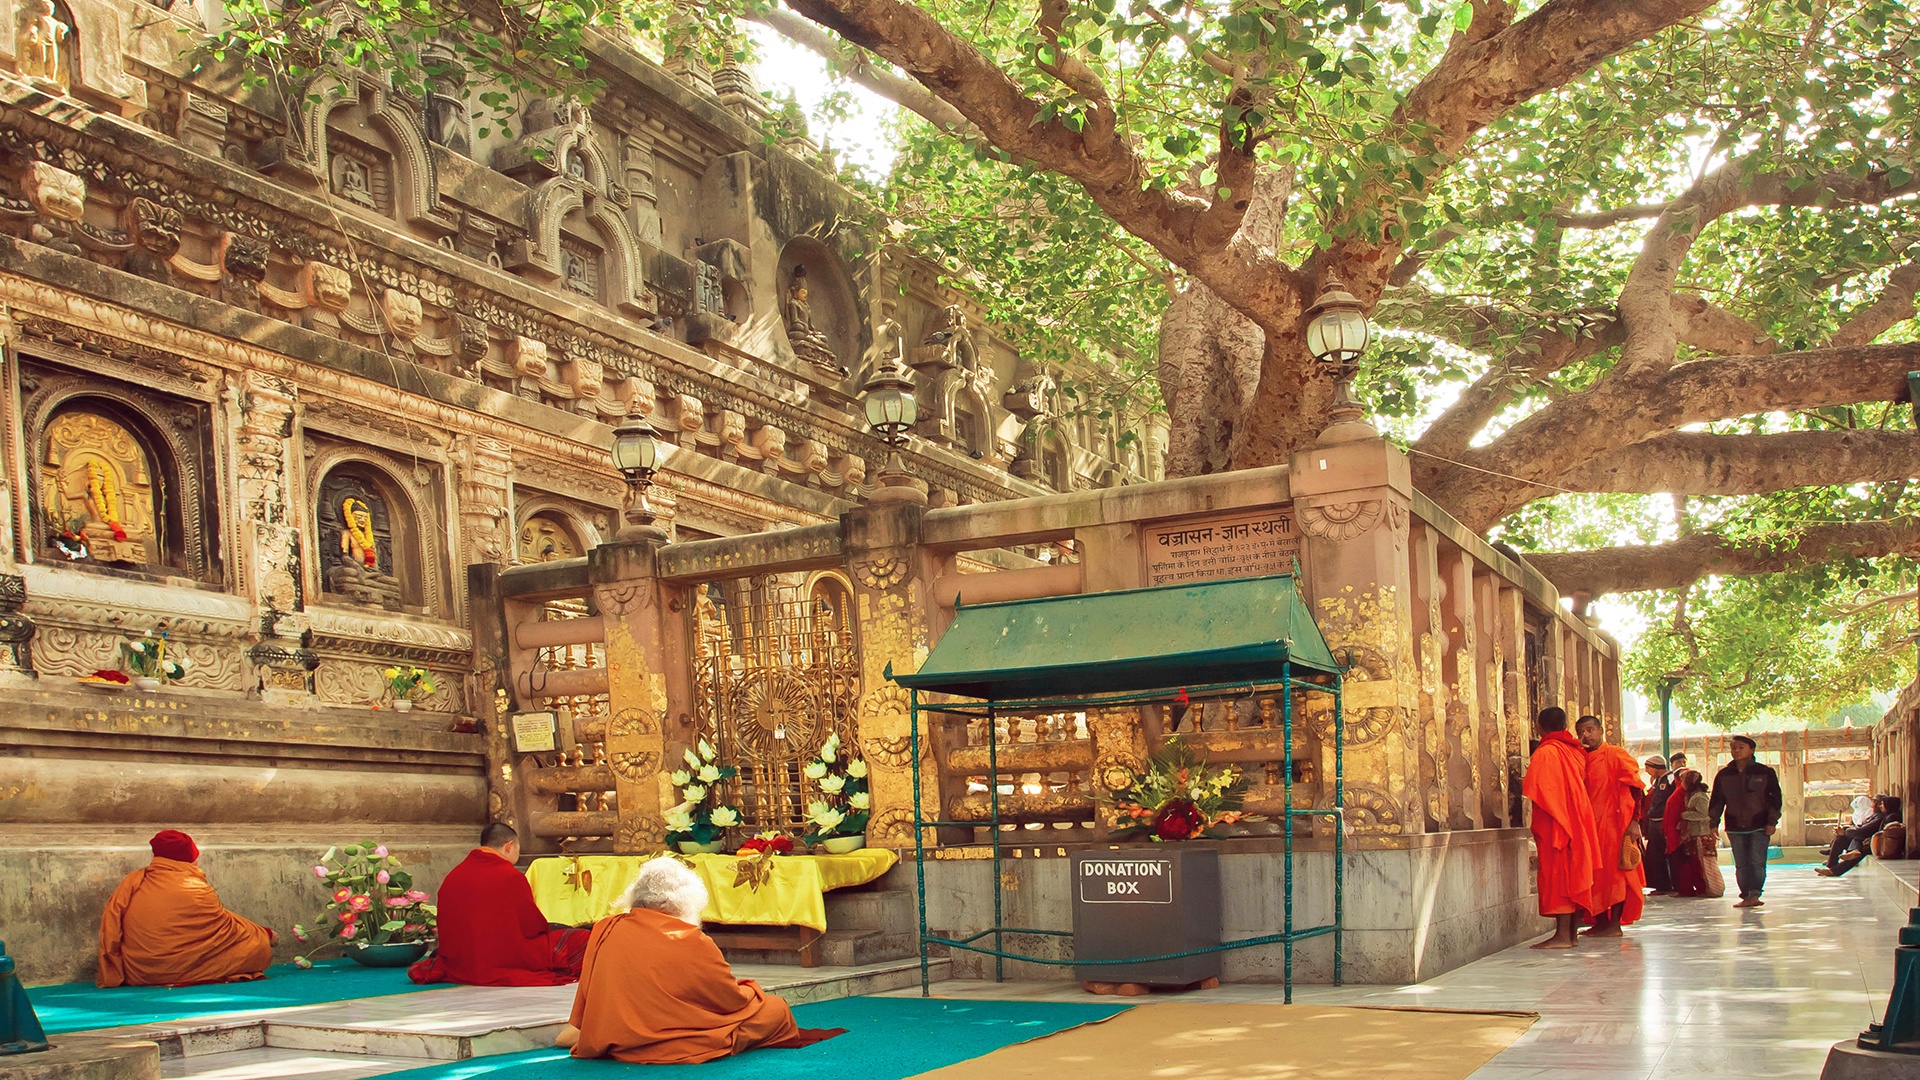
{"x":1542,"y":353}
{"x":1110,"y":169}
{"x":1699,"y":463}
{"x":1580,"y":428}
{"x":1893,"y":305}
{"x":1680,"y":563}
{"x":857,"y":65}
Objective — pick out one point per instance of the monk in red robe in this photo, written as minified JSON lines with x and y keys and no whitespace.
{"x":1618,"y":796}
{"x":165,"y":926}
{"x":491,"y":932}
{"x":655,"y":989}
{"x":1556,"y":784}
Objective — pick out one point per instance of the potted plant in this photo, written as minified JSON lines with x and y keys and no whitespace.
{"x":696,"y":824}
{"x":406,"y":685}
{"x":839,"y":818}
{"x":147,"y":662}
{"x":1178,"y":797}
{"x":373,"y":911}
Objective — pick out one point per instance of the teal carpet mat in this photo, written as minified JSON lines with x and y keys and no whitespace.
{"x":886,"y":1039}
{"x":84,"y":1006}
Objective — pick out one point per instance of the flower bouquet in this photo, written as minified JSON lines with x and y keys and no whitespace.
{"x":147,"y":661}
{"x":840,"y":819}
{"x":372,"y":903}
{"x":755,"y":853}
{"x":1178,"y":797}
{"x":696,"y":823}
{"x":407,"y":685}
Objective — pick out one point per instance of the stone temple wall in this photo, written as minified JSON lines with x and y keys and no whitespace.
{"x":278,"y":364}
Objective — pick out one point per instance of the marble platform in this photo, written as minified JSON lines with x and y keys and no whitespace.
{"x":347,"y":1040}
{"x":1696,"y":991}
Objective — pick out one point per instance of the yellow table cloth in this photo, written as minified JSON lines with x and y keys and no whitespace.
{"x":795,"y":894}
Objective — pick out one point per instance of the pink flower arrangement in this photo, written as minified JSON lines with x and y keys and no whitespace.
{"x":364,"y":879}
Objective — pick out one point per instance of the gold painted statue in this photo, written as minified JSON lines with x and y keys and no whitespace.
{"x":100,"y":492}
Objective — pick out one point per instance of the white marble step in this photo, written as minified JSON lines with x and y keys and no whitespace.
{"x":371,"y":1036}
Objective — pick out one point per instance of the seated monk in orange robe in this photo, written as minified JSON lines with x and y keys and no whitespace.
{"x":164,"y":926}
{"x":1556,"y":784}
{"x":491,"y":932}
{"x":1618,"y":796}
{"x":655,"y":989}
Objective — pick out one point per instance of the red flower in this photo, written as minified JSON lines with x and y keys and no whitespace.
{"x":1178,"y":820}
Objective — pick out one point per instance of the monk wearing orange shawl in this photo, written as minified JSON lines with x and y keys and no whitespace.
{"x":164,"y":926}
{"x":1618,"y":795}
{"x":655,"y":990}
{"x":1556,"y":784}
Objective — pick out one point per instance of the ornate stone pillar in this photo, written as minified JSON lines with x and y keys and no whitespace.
{"x":892,"y":585}
{"x":1793,"y":789}
{"x":486,"y":491}
{"x":630,"y":598}
{"x":1351,"y":500}
{"x":282,"y":665}
{"x":644,"y":207}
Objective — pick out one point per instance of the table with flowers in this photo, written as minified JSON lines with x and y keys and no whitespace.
{"x":575,"y":889}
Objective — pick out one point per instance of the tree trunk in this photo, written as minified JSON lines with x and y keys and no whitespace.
{"x":1209,"y":364}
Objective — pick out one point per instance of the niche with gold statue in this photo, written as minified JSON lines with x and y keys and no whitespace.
{"x":97,"y":491}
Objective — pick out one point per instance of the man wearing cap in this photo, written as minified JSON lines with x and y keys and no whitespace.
{"x":1654,"y":859}
{"x":1748,"y":794}
{"x":165,"y":926}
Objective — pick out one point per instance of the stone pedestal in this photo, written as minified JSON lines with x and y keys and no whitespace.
{"x":1847,"y":1061}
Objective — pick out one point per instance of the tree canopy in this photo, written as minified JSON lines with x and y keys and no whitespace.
{"x":1618,"y":249}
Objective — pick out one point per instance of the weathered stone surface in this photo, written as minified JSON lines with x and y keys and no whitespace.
{"x":86,"y":1057}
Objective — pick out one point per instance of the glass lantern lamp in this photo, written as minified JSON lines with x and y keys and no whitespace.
{"x":636,"y":454}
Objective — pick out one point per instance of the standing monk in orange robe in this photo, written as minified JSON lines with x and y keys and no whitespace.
{"x":655,"y":989}
{"x":1556,"y":784}
{"x":164,"y":926}
{"x":1618,"y":795}
{"x":491,"y":932}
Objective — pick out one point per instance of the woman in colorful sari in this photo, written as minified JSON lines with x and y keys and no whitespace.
{"x":1683,"y":848}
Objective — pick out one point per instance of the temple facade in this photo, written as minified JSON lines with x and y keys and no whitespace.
{"x":281,"y":362}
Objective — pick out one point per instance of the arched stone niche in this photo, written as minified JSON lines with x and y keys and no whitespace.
{"x":105,"y":455}
{"x":373,"y":541}
{"x":548,"y":533}
{"x":823,"y":327}
{"x":579,"y":234}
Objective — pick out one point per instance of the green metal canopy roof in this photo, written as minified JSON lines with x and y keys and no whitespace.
{"x":1135,"y":639}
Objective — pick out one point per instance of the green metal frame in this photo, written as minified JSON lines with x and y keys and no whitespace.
{"x":990,"y":708}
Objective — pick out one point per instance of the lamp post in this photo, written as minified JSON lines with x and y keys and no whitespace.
{"x":1337,"y":334}
{"x":887,"y":398}
{"x":636,"y":453}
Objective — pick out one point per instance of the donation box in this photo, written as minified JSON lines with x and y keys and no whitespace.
{"x":1146,"y":901}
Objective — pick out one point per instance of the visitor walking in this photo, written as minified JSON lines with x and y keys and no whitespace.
{"x":1659,"y":786}
{"x":1747,"y":794}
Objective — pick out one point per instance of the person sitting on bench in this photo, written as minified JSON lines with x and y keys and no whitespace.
{"x":1850,"y":843}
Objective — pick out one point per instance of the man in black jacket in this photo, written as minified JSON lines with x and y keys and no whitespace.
{"x":1654,"y":859}
{"x":1748,"y":793}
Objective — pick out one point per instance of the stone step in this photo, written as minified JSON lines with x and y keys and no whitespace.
{"x":876,"y":909}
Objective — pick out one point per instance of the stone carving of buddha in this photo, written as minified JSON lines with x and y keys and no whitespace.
{"x":808,"y":342}
{"x":358,"y":573}
{"x":355,"y":185}
{"x":43,"y":44}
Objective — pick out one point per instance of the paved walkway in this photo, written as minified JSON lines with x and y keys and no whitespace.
{"x":1696,"y":991}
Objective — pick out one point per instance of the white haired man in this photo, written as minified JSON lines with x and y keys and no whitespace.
{"x":654,"y":988}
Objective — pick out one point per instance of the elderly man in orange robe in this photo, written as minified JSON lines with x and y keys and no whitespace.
{"x":1618,"y":795}
{"x":655,"y":989}
{"x":491,"y":931}
{"x":165,"y":926}
{"x":1556,"y":784}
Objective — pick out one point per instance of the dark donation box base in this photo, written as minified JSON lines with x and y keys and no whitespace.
{"x":1146,"y":901}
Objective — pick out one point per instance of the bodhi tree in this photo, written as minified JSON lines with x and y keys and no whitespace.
{"x":1614,"y":247}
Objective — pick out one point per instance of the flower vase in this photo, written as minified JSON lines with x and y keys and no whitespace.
{"x":392,"y":954}
{"x":402,"y":705}
{"x":842,"y":845}
{"x":147,"y":682}
{"x":688,"y":847}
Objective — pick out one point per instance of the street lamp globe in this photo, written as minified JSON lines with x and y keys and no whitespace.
{"x":1337,"y":329}
{"x":636,"y":449}
{"x":889,"y":403}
